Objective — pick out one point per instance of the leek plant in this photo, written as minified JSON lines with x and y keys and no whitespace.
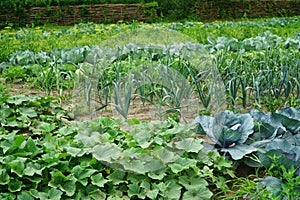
{"x":267,"y":75}
{"x":46,"y":74}
{"x":123,"y":95}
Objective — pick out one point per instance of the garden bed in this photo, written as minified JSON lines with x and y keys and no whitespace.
{"x":247,"y":149}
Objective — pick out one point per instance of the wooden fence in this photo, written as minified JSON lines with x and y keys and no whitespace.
{"x":66,"y":15}
{"x":111,"y":13}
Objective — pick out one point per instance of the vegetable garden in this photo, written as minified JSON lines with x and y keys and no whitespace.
{"x":225,"y":124}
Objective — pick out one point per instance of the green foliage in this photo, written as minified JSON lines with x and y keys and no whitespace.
{"x":259,"y":67}
{"x":238,"y":9}
{"x":248,"y":188}
{"x":255,"y":132}
{"x":22,"y":112}
{"x":281,"y":181}
{"x":97,"y":159}
{"x":176,"y":9}
{"x":265,"y":140}
{"x":229,"y":132}
{"x":43,"y":158}
{"x":122,"y":76}
{"x":41,"y":70}
{"x":14,"y":74}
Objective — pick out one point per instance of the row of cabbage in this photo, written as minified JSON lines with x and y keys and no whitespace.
{"x":48,"y":37}
{"x":262,"y":71}
{"x":257,"y":139}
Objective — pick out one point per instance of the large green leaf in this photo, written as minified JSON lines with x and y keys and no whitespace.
{"x":137,"y":166}
{"x":4,"y":177}
{"x":51,"y":158}
{"x":237,"y":152}
{"x":18,"y":99}
{"x":57,"y":179}
{"x":134,"y":189}
{"x":76,"y":151}
{"x":89,"y":139}
{"x":202,"y":193}
{"x":31,"y":149}
{"x":67,"y":130}
{"x":34,"y":180}
{"x":151,"y":193}
{"x":7,"y":196}
{"x":280,"y":144}
{"x":34,"y":193}
{"x":98,"y":194}
{"x":54,"y":194}
{"x":117,"y":177}
{"x":154,"y":165}
{"x":12,"y":142}
{"x":272,"y":184}
{"x":165,"y":155}
{"x":182,"y":164}
{"x":204,"y":124}
{"x":287,"y":154}
{"x":15,"y":185}
{"x":107,"y":152}
{"x":17,"y":166}
{"x":33,"y":168}
{"x":5,"y":112}
{"x":190,"y":145}
{"x":31,"y":146}
{"x":60,"y":181}
{"x":47,"y":127}
{"x":158,"y":175}
{"x":192,"y":183}
{"x":143,"y":138}
{"x":293,"y":113}
{"x":173,"y":190}
{"x":69,"y":187}
{"x":12,"y":122}
{"x":98,"y":180}
{"x":227,"y":137}
{"x":28,"y":112}
{"x":168,"y":190}
{"x":81,"y":173}
{"x":24,"y":196}
{"x":289,"y":118}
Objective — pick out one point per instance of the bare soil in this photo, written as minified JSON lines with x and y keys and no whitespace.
{"x":138,"y":109}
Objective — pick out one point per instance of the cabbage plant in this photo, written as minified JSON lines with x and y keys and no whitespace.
{"x":228,"y":132}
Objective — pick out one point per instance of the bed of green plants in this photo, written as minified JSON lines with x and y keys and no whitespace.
{"x":258,"y":60}
{"x":46,"y":154}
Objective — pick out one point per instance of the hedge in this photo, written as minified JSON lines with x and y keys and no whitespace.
{"x":236,"y":9}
